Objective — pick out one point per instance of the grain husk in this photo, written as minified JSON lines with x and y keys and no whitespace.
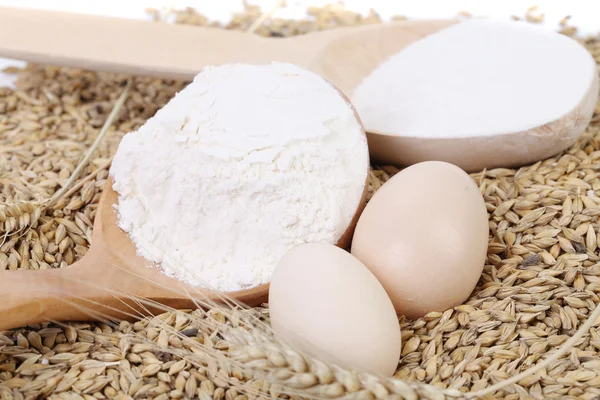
{"x":540,"y":283}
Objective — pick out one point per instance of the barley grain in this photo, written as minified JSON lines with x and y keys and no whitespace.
{"x":539,"y":284}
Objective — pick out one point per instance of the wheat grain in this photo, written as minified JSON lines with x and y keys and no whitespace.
{"x":540,"y":282}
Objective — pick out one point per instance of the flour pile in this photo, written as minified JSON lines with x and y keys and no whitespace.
{"x":240,"y":166}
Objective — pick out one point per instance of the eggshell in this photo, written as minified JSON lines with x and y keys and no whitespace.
{"x":424,"y":235}
{"x":327,"y":304}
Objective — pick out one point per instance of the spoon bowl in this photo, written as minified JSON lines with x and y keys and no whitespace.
{"x":112,"y":281}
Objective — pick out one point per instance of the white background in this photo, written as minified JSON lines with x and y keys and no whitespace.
{"x":585,"y":14}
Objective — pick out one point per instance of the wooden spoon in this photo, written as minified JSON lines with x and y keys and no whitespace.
{"x":106,"y":279}
{"x":344,"y":56}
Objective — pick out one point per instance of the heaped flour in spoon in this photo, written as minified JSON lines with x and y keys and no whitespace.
{"x":476,"y":78}
{"x":241,"y":165}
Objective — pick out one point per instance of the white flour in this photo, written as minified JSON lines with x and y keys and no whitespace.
{"x":241,"y":165}
{"x":479,"y":77}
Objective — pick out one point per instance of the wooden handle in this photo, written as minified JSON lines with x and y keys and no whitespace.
{"x":68,"y":294}
{"x":149,"y":48}
{"x":92,"y":289}
{"x":123,"y":45}
{"x":30,"y":297}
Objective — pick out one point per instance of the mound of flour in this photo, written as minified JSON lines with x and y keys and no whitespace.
{"x":477,"y":78}
{"x":244,"y":163}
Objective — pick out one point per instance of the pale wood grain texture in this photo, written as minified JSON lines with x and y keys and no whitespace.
{"x":342,"y":55}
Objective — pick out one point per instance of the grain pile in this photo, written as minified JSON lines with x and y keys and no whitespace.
{"x":541,"y":280}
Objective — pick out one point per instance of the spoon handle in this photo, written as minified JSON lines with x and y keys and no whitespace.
{"x":122,"y":45}
{"x":30,"y":297}
{"x":80,"y":292}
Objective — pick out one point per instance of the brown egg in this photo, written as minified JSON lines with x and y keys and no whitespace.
{"x":424,"y":235}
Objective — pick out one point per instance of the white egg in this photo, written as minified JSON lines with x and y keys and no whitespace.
{"x":326,"y":303}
